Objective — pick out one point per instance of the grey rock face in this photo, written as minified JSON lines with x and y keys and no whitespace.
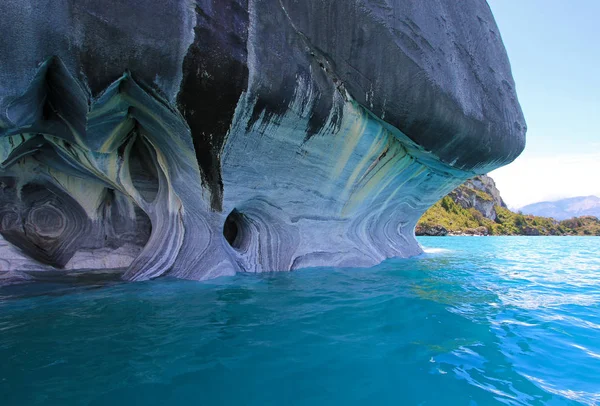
{"x":469,"y":195}
{"x":431,"y":231}
{"x":487,"y":185}
{"x":202,"y":138}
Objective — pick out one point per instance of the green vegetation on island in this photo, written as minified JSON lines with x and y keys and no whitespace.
{"x":476,"y":208}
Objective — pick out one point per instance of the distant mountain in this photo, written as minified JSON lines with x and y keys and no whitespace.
{"x":565,"y":208}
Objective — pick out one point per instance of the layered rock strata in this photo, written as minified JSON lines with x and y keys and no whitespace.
{"x":202,"y":138}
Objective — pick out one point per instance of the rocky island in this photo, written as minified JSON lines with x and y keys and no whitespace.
{"x":200,"y":138}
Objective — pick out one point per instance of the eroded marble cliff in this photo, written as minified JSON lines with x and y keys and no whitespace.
{"x":202,"y":138}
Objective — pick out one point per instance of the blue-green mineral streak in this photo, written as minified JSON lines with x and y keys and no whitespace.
{"x":197,"y":138}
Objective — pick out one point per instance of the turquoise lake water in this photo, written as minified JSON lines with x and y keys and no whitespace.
{"x":513,"y":320}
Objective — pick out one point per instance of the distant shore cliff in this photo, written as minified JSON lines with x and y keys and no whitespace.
{"x":476,"y":208}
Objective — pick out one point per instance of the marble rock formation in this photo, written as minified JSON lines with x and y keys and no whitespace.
{"x":202,"y":138}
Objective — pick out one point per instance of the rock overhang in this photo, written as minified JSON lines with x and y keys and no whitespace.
{"x":243,"y":135}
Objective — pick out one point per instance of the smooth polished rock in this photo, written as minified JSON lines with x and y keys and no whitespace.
{"x":202,"y":138}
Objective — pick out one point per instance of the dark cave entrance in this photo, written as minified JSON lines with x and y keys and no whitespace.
{"x":232,"y":229}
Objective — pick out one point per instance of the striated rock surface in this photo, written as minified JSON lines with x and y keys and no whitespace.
{"x":201,"y":138}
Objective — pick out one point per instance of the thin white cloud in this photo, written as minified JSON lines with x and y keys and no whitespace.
{"x":532,"y":179}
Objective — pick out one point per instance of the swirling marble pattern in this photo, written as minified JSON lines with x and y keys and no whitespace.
{"x":240,"y":136}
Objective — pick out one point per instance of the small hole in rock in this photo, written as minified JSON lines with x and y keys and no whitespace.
{"x":231,"y":228}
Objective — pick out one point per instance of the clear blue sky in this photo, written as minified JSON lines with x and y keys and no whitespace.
{"x":554,"y":49}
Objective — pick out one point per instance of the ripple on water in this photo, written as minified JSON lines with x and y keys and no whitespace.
{"x":473,"y":321}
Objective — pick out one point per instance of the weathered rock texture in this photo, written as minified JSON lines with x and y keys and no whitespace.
{"x":201,"y":138}
{"x":481,"y":194}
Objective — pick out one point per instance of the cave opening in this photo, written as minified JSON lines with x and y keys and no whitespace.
{"x":232,"y":229}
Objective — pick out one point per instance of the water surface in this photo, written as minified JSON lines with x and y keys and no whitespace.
{"x":512,"y":320}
